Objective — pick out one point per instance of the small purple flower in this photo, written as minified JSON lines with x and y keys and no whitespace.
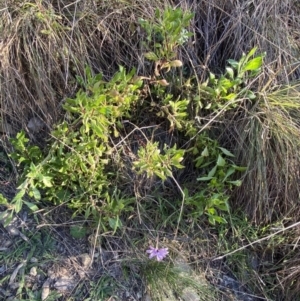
{"x":160,"y":254}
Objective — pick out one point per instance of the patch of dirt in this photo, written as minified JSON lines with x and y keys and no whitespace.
{"x":41,"y":256}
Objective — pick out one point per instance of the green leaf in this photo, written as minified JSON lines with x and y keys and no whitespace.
{"x":237,"y":183}
{"x":36,"y":193}
{"x":115,"y":223}
{"x":230,"y":72}
{"x":47,"y":181}
{"x":3,"y":200}
{"x":250,"y":95}
{"x":19,"y":195}
{"x":160,"y":174}
{"x":151,"y":56}
{"x":233,"y":63}
{"x":4,"y":215}
{"x":212,"y":172}
{"x":252,"y":52}
{"x":221,"y":162}
{"x":33,"y":207}
{"x":7,"y":217}
{"x":239,"y":168}
{"x":204,"y":179}
{"x":215,"y":218}
{"x":230,"y":96}
{"x":253,"y":64}
{"x":229,"y":172}
{"x":211,"y":76}
{"x":205,"y":152}
{"x":78,"y":231}
{"x":226,"y":152}
{"x":18,"y":205}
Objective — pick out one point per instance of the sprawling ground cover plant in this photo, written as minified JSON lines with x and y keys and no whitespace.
{"x":80,"y":165}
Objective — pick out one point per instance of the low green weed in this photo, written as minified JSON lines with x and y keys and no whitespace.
{"x":82,"y":164}
{"x":231,"y":88}
{"x":76,"y":168}
{"x":166,"y":34}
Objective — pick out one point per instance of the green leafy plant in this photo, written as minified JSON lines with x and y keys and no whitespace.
{"x":75,"y":167}
{"x":216,"y":165}
{"x":153,"y":162}
{"x":79,"y":165}
{"x":166,"y":34}
{"x":232,"y":87}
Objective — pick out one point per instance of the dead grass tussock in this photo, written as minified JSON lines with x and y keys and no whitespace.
{"x":45,"y":45}
{"x":226,"y":29}
{"x":265,"y":138}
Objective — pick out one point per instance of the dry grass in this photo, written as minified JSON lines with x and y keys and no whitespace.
{"x":265,"y":137}
{"x":45,"y":45}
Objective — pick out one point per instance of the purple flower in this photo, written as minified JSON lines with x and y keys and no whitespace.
{"x":160,"y":254}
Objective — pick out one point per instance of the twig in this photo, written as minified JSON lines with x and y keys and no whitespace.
{"x":257,"y":241}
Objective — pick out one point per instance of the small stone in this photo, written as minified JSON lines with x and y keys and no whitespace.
{"x":81,"y":274}
{"x":28,"y":281}
{"x":147,"y":298}
{"x":7,"y":243}
{"x":12,"y":230}
{"x":64,"y":284}
{"x":45,"y":290}
{"x":189,"y":294}
{"x":14,"y":285}
{"x":35,"y":124}
{"x":33,"y":260}
{"x":6,"y":128}
{"x":51,"y":274}
{"x":33,"y":271}
{"x":182,"y":265}
{"x":85,"y":260}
